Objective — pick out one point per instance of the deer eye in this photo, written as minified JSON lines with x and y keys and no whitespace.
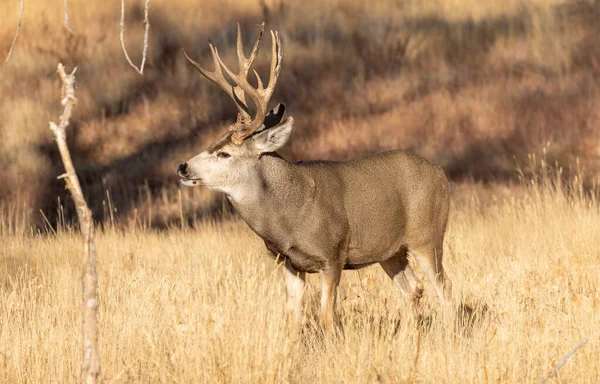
{"x":223,"y":155}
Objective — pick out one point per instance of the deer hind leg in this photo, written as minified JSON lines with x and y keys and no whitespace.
{"x":401,"y":273}
{"x":330,"y":279}
{"x":429,"y":259}
{"x":294,"y":287}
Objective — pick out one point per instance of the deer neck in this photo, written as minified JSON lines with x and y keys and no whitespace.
{"x":277,"y":185}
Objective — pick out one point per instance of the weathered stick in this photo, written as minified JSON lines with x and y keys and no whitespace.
{"x":16,"y":33}
{"x":140,"y":70}
{"x":90,"y":367}
{"x":563,"y":361}
{"x":66,"y":18}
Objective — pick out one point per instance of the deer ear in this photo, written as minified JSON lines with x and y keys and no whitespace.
{"x":271,"y":139}
{"x":275,"y":116}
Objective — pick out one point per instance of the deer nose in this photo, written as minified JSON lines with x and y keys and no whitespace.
{"x":181,"y":169}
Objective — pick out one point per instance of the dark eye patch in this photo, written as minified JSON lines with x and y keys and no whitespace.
{"x":223,"y":155}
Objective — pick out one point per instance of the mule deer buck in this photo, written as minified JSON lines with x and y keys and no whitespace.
{"x":322,"y":216}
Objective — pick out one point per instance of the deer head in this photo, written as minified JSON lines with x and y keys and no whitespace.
{"x":231,"y":162}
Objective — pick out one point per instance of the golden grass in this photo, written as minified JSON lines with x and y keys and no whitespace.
{"x":479,"y":83}
{"x":206,"y":304}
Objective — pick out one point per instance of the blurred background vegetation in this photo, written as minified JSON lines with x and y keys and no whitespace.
{"x":472,"y":86}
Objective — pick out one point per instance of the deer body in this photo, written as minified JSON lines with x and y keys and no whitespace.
{"x":323,"y":216}
{"x":348,"y":214}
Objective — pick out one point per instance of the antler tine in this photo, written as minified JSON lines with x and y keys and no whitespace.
{"x":275,"y":64}
{"x":218,"y":78}
{"x":246,"y":63}
{"x":245,"y":125}
{"x":260,"y":95}
{"x":277,"y":57}
{"x":266,"y":93}
{"x":244,"y":66}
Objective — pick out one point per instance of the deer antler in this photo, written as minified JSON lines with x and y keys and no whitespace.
{"x":245,"y":124}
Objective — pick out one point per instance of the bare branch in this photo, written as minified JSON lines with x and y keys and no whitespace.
{"x":90,"y":366}
{"x":140,"y":70}
{"x":68,"y":101}
{"x":67,"y":19}
{"x":16,"y":34}
{"x":563,"y":362}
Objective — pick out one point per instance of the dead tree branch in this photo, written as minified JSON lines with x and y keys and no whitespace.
{"x":16,"y":34}
{"x":563,"y":361}
{"x":90,"y":368}
{"x":140,"y":70}
{"x":67,"y":19}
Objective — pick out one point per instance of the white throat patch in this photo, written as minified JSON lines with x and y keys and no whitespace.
{"x":238,"y":195}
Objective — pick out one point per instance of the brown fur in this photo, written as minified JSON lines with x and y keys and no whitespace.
{"x":349,"y":213}
{"x":327,"y":216}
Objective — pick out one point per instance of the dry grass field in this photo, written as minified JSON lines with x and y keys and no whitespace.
{"x":187,"y":293}
{"x":207,"y":304}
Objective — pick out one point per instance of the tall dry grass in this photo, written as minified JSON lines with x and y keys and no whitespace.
{"x":207,"y":305}
{"x":469,"y":85}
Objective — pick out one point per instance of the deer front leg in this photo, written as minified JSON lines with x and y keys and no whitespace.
{"x":330,"y":279}
{"x":294,"y":286}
